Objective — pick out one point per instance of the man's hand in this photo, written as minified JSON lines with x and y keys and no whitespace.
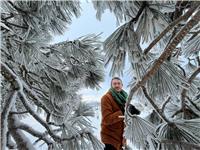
{"x":121,"y":116}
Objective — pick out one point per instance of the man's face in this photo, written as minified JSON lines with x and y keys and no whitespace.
{"x":117,"y":85}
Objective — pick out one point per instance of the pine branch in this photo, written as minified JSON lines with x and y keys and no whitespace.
{"x":193,"y":76}
{"x":28,"y":107}
{"x":182,"y":69}
{"x":184,"y":94}
{"x":10,"y":144}
{"x":4,"y":117}
{"x":164,"y":104}
{"x":184,"y":91}
{"x":15,"y":25}
{"x":46,"y":134}
{"x":18,"y":113}
{"x":196,"y":146}
{"x":55,"y":124}
{"x":50,"y":131}
{"x":166,"y":53}
{"x":194,"y":35}
{"x":196,"y":106}
{"x":11,"y":15}
{"x":5,"y":71}
{"x":170,"y":26}
{"x":159,"y":111}
{"x":177,"y":112}
{"x":80,"y":133}
{"x":198,"y":60}
{"x":34,"y":95}
{"x":144,"y":4}
{"x":37,"y":101}
{"x":35,"y":133}
{"x":24,"y":100}
{"x":21,"y":140}
{"x":17,"y":8}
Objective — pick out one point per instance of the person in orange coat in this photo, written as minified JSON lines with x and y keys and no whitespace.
{"x":112,"y":106}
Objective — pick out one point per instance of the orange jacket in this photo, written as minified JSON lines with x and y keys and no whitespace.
{"x":112,"y":126}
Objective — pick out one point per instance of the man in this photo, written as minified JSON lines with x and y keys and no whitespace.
{"x":112,"y":107}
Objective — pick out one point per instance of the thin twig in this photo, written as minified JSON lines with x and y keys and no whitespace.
{"x":17,"y":8}
{"x":34,"y":132}
{"x":15,"y":25}
{"x":177,"y":112}
{"x":160,"y":113}
{"x":165,"y":103}
{"x":18,"y":113}
{"x":184,"y":91}
{"x":4,"y":117}
{"x":144,"y":4}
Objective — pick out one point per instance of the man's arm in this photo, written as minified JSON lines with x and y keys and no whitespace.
{"x":109,"y":117}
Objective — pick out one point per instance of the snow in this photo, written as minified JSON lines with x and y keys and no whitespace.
{"x":20,"y":133}
{"x":9,"y":103}
{"x":4,"y":116}
{"x":28,"y":143}
{"x":33,"y":123}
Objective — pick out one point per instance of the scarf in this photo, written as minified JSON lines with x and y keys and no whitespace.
{"x":119,"y":97}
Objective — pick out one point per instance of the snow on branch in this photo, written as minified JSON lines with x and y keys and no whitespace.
{"x":169,"y":27}
{"x":35,"y":133}
{"x":10,"y":76}
{"x":184,"y":91}
{"x":159,"y":111}
{"x":4,"y":117}
{"x":166,"y":53}
{"x":20,"y":138}
{"x":28,"y":107}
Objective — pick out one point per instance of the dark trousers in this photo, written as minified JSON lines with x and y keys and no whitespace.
{"x":109,"y":147}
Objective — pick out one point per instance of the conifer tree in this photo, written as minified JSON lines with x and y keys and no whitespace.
{"x":159,"y":39}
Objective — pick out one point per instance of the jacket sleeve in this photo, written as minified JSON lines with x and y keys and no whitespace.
{"x":108,"y":116}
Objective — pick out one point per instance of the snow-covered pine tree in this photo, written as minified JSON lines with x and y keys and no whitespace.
{"x":42,"y":80}
{"x":161,"y":41}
